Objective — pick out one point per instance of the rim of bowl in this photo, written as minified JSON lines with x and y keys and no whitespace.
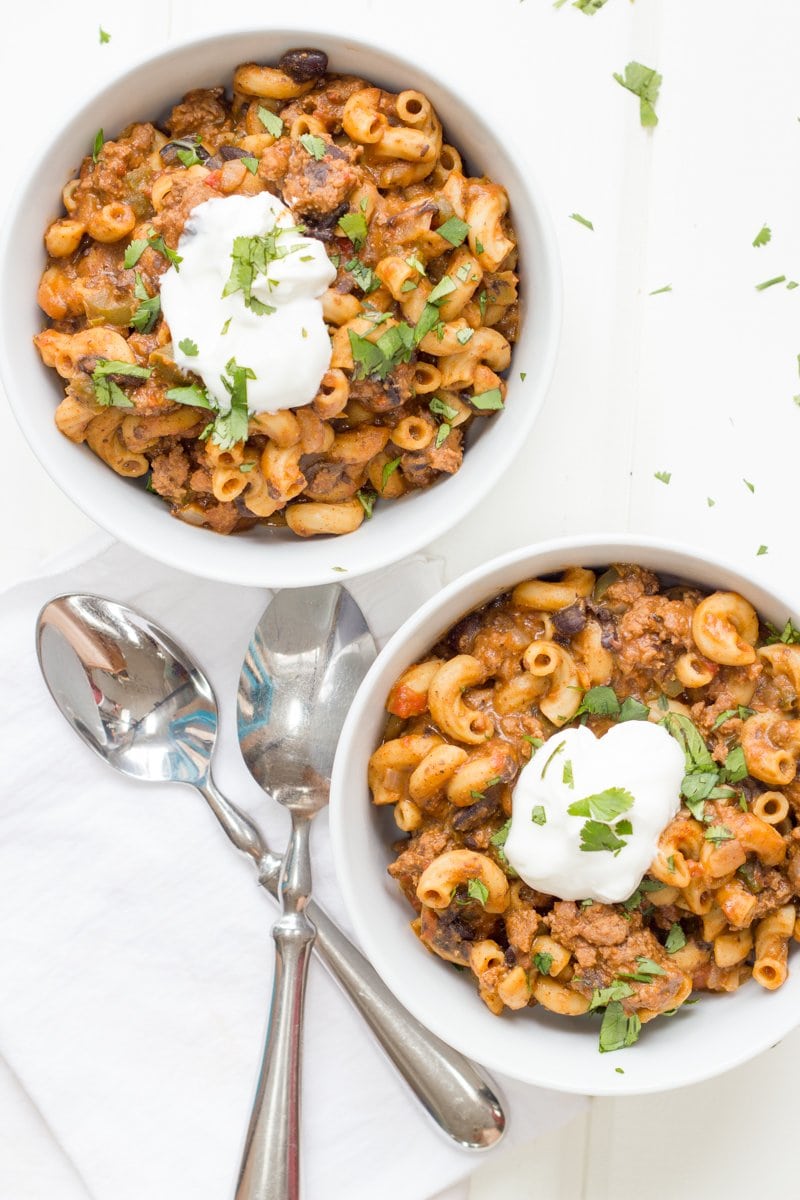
{"x":760,"y":1036}
{"x":418,"y":531}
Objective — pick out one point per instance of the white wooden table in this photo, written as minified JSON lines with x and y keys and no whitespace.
{"x":698,"y":382}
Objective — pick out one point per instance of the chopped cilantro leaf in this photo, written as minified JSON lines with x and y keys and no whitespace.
{"x":97,"y":145}
{"x":231,"y":427}
{"x":149,"y":309}
{"x":581,"y":220}
{"x":741,"y":711}
{"x":710,"y":502}
{"x":663,"y":476}
{"x":429,"y":317}
{"x":557,"y":750}
{"x":567,"y":776}
{"x":617,"y":1030}
{"x":500,"y":838}
{"x":789,"y":635}
{"x":188,"y":156}
{"x":600,"y":702}
{"x":543,"y":962}
{"x":379,"y":358}
{"x":751,"y":487}
{"x":536,"y":742}
{"x":602,"y":806}
{"x":633,"y":710}
{"x":646,"y":972}
{"x":717,"y":834}
{"x":106,"y":390}
{"x":251,"y":162}
{"x":763,"y":236}
{"x":596,"y":836}
{"x":538,"y":815}
{"x":367,"y":500}
{"x":676,"y":938}
{"x":389,"y":470}
{"x":762,"y":549}
{"x":157,"y":243}
{"x":442,"y":434}
{"x":463,"y":336}
{"x":735,"y":769}
{"x":618,"y":990}
{"x":660,"y":291}
{"x":105,"y":37}
{"x":251,"y":257}
{"x":454,"y":231}
{"x":314,"y":145}
{"x":477,"y":890}
{"x":364,"y":276}
{"x":246,"y":467}
{"x":635,"y":899}
{"x":354,"y":226}
{"x":188,"y":347}
{"x":134,"y":252}
{"x":193,"y":395}
{"x":441,"y":409}
{"x":644,"y":82}
{"x":768,"y":283}
{"x":271,"y":121}
{"x":489,"y":401}
{"x":443,"y":288}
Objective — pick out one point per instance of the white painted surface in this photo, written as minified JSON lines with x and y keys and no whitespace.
{"x":698,"y":382}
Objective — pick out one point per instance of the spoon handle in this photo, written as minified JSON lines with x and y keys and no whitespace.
{"x":270,"y":1165}
{"x":445,"y":1082}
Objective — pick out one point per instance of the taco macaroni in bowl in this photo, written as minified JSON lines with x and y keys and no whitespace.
{"x":343,"y":291}
{"x":521,"y":823}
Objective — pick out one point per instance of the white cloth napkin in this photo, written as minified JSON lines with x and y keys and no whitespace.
{"x":135,"y":956}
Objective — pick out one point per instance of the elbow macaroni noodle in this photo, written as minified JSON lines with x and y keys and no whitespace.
{"x":461,"y":724}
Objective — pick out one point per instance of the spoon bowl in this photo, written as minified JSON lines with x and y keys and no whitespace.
{"x":308,"y":654}
{"x":127,"y":689}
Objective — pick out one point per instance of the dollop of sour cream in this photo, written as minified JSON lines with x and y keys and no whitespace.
{"x":287,"y":349}
{"x":627,"y":782}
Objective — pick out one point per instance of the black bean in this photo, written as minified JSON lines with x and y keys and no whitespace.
{"x":462,"y":635}
{"x":170,"y":152}
{"x":608,"y":626}
{"x":304,"y":65}
{"x":511,"y":956}
{"x":229,"y":152}
{"x":476,"y":814}
{"x":569,"y":621}
{"x":455,"y":924}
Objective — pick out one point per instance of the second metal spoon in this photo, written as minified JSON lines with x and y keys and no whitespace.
{"x":306,"y":658}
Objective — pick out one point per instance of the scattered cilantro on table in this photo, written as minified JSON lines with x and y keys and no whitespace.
{"x":645,"y":83}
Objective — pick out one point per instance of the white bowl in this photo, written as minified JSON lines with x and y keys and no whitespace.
{"x":533,"y":1045}
{"x":263,"y":557}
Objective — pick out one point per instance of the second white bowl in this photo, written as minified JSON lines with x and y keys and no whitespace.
{"x":535,"y":1046}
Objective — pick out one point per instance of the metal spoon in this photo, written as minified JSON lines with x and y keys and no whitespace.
{"x":306,"y":658}
{"x":140,"y":702}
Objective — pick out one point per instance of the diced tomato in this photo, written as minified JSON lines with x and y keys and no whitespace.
{"x":212,"y":179}
{"x":405,"y":702}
